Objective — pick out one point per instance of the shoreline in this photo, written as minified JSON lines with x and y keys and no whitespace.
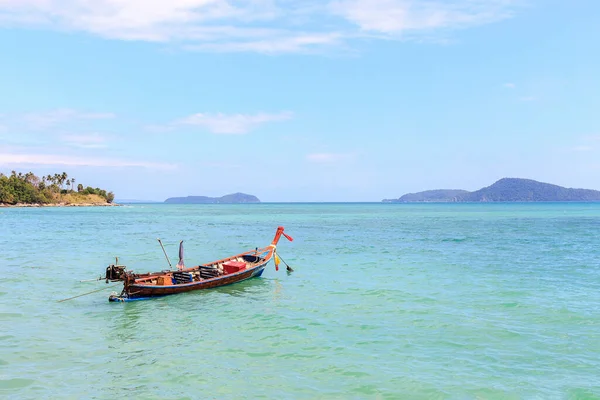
{"x":35,"y":205}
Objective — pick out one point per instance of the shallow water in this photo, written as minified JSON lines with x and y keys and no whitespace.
{"x":491,"y":301}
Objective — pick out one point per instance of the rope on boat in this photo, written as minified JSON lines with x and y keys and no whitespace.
{"x":92,"y":280}
{"x":93,"y":291}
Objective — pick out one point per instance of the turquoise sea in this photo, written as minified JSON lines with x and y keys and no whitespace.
{"x":387,"y":301}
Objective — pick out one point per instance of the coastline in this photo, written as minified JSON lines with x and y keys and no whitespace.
{"x":29,"y":205}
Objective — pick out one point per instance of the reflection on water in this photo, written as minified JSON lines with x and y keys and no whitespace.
{"x":277,"y":293}
{"x":250,"y":286}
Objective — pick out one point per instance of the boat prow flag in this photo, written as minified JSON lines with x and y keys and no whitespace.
{"x":277,"y":261}
{"x":180,"y":264}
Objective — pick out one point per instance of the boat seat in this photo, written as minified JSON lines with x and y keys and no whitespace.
{"x":182,"y":277}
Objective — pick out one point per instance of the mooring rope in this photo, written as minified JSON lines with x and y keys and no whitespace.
{"x":93,"y":291}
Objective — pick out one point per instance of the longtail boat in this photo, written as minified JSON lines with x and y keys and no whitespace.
{"x":206,"y":276}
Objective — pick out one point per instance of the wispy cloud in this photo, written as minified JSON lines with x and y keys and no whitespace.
{"x":582,"y":148}
{"x":231,"y":123}
{"x":49,"y":119}
{"x":86,"y":141}
{"x":328,"y":157}
{"x":591,"y":138}
{"x":287,"y":42}
{"x":267,"y":26}
{"x":59,"y":126}
{"x":585,"y":144}
{"x":509,"y":85}
{"x":37,"y":159}
{"x":409,"y":16}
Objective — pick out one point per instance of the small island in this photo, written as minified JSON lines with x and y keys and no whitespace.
{"x":234,"y":198}
{"x":504,"y":190}
{"x":29,"y":190}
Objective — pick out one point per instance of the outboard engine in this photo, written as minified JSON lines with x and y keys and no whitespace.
{"x":115,"y":273}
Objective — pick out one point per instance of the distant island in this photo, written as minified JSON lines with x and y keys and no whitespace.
{"x":504,"y":190}
{"x":27,"y":190}
{"x":136,"y":201}
{"x":235,"y":198}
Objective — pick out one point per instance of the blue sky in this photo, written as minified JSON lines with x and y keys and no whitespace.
{"x":344,"y":100}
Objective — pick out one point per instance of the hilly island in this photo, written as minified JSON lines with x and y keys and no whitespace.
{"x":504,"y":190}
{"x":234,"y":198}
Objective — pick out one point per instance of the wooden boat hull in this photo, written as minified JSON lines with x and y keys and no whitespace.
{"x":218,"y":273}
{"x":142,"y":292}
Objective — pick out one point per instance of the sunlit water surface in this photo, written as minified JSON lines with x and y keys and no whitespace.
{"x":486,"y":301}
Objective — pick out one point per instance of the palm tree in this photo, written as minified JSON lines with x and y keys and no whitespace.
{"x":57,"y":182}
{"x":72,"y":183}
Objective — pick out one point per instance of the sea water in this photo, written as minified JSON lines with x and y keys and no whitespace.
{"x":386,"y":301}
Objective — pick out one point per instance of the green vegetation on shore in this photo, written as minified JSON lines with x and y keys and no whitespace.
{"x":18,"y":188}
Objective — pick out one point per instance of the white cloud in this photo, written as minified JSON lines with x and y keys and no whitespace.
{"x":406,"y":16}
{"x":509,"y":85}
{"x":49,"y":119}
{"x":327,"y":157}
{"x":269,"y":26}
{"x":27,"y":159}
{"x":232,"y":123}
{"x":87,"y":141}
{"x":286,"y":43}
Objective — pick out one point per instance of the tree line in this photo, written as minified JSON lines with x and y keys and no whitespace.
{"x":28,"y":188}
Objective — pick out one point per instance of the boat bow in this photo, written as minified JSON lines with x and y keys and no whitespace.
{"x":278,"y":235}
